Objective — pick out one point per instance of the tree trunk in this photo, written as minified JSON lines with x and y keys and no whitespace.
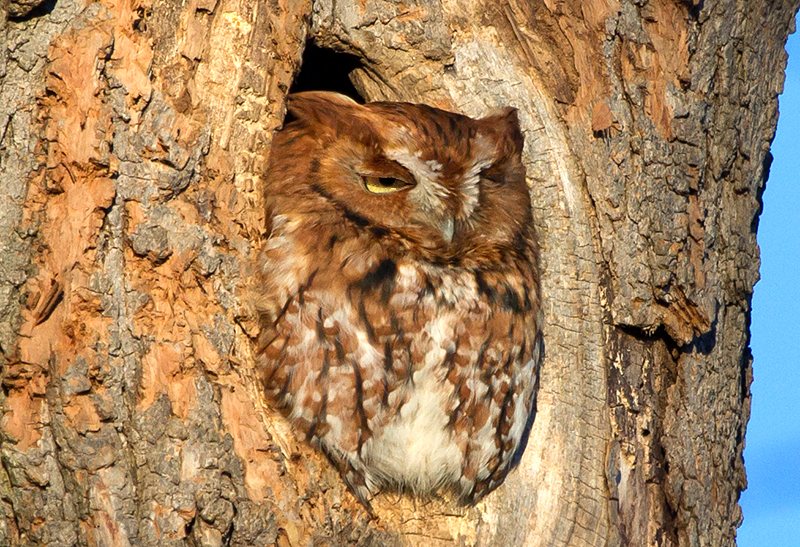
{"x":132,"y":139}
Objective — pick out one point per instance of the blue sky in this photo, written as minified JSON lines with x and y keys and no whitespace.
{"x":771,"y":503}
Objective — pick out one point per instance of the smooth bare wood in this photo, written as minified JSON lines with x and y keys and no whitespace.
{"x":132,"y":138}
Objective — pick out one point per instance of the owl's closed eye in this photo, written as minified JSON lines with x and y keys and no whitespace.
{"x":399,"y":293}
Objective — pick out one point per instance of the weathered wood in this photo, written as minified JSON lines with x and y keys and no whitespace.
{"x":132,"y":138}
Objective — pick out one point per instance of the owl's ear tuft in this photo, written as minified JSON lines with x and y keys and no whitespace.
{"x":323,"y":107}
{"x":503,"y":130}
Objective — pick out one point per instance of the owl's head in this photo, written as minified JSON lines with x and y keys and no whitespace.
{"x":440,"y":180}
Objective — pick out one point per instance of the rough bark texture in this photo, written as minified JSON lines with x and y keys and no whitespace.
{"x":132,"y":137}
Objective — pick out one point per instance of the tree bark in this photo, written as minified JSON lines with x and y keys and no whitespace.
{"x":133,"y":135}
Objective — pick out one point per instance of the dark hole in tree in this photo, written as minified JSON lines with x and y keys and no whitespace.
{"x":326,"y":70}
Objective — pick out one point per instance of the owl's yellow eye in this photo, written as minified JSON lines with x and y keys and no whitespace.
{"x":383,"y":185}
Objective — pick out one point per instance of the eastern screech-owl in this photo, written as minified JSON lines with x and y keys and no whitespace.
{"x":398,"y":293}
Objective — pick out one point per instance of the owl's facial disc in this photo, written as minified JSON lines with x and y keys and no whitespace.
{"x":432,"y":202}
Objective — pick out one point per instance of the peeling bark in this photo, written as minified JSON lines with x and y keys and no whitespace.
{"x":132,"y":139}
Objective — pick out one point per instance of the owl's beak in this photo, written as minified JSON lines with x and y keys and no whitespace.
{"x":447,"y":228}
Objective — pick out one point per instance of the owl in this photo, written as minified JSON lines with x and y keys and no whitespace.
{"x":398,"y":293}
